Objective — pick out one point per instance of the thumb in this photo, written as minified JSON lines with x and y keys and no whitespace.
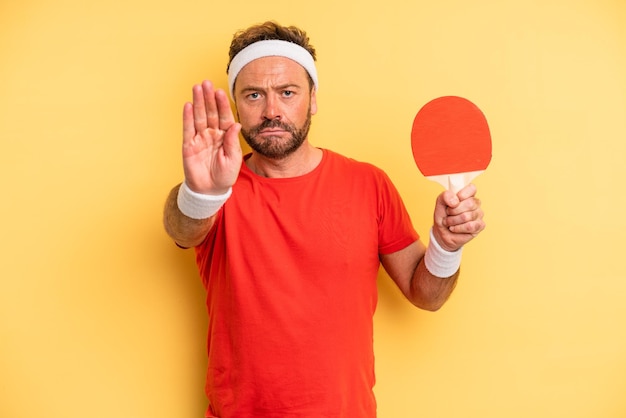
{"x":445,"y":200}
{"x":449,"y":199}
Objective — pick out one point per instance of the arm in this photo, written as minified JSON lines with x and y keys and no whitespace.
{"x":408,"y":270}
{"x":211,"y":160}
{"x":457,"y":220}
{"x":185,"y":231}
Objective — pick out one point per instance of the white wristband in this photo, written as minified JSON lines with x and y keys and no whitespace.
{"x":439,"y":262}
{"x":198,"y":205}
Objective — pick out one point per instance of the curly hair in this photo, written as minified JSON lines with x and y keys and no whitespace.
{"x":268,"y":31}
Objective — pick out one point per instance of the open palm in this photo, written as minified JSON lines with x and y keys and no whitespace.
{"x":211,"y":151}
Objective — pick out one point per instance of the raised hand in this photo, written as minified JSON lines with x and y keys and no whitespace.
{"x":458,"y":218}
{"x":211,"y":151}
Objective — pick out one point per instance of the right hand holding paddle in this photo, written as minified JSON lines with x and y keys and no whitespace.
{"x":211,"y":151}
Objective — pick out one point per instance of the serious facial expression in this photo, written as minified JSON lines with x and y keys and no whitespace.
{"x":274,"y":103}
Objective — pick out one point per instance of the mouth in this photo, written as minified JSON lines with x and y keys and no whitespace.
{"x":271,"y":132}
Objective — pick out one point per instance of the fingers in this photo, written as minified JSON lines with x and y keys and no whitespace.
{"x":449,"y":199}
{"x":459,"y":215}
{"x":452,"y":200}
{"x":199,"y":108}
{"x":225,"y":114}
{"x":211,"y":108}
{"x":467,"y":192}
{"x":189,"y":129}
{"x":232,"y":147}
{"x":466,"y":223}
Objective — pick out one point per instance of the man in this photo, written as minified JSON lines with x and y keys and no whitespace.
{"x":289,"y":240}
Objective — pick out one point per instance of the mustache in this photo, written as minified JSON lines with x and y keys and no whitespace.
{"x":270,"y":124}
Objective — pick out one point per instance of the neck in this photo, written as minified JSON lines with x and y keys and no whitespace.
{"x":302,"y":161}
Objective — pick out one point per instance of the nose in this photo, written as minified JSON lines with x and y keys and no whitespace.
{"x":272,"y":108}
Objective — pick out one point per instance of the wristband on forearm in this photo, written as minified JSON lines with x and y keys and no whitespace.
{"x":439,"y":262}
{"x":198,"y":205}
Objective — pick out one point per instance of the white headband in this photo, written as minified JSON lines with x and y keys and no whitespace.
{"x":270,"y":48}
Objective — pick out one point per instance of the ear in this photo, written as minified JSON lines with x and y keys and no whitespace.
{"x":313,"y":101}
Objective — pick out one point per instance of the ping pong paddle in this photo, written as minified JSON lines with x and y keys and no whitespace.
{"x":451,"y":141}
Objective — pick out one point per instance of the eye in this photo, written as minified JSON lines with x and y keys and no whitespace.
{"x":288,"y":93}
{"x":254,"y":96}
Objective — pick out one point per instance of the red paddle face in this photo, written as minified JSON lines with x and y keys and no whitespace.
{"x":450,"y":136}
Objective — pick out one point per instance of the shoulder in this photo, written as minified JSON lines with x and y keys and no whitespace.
{"x":362,"y":177}
{"x":338,"y":161}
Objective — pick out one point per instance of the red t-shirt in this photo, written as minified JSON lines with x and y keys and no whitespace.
{"x":290,"y":269}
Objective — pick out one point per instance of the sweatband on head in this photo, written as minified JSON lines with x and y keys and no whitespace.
{"x":197,"y":205}
{"x":270,"y":48}
{"x":439,"y":262}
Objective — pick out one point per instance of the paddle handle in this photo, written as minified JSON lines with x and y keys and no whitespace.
{"x":455,"y":182}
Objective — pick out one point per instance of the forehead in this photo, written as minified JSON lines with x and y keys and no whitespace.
{"x":272,"y":70}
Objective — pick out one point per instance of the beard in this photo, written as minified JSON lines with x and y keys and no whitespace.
{"x":274,"y":147}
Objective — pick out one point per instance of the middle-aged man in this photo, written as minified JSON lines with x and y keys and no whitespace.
{"x":290,"y":237}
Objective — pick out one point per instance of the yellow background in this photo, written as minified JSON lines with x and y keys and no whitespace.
{"x":101,"y":316}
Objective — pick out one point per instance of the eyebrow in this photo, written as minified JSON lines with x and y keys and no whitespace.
{"x":287,"y":86}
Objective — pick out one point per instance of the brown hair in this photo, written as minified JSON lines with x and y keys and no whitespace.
{"x":265,"y":32}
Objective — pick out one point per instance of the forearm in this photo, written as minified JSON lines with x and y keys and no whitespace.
{"x":185,"y":231}
{"x":430,"y":292}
